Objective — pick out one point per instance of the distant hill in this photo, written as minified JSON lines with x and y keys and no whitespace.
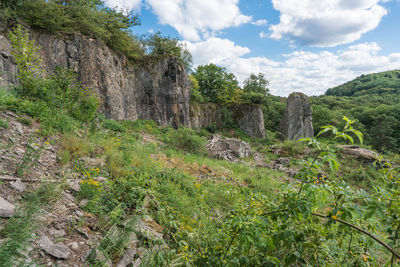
{"x":376,"y":83}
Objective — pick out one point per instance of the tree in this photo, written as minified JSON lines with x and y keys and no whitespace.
{"x":257,"y":84}
{"x":158,"y":45}
{"x":216,"y":83}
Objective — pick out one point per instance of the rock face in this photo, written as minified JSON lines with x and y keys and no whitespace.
{"x":296,"y":122}
{"x":156,"y":90}
{"x":230,"y":149}
{"x":249,"y":118}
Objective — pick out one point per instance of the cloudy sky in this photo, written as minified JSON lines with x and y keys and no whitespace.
{"x":300,"y":45}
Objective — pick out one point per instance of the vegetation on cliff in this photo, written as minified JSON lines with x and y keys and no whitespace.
{"x":92,"y":18}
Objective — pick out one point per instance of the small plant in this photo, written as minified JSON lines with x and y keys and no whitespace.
{"x":30,"y":157}
{"x":25,"y":121}
{"x":184,"y":139}
{"x":3,"y":124}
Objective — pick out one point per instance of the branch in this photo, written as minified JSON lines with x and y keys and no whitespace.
{"x":362,"y":231}
{"x":348,"y":224}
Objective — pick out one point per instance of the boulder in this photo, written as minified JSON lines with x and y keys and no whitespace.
{"x":59,"y":250}
{"x":296,"y":122}
{"x":230,"y":149}
{"x":6,"y":208}
{"x":362,"y":154}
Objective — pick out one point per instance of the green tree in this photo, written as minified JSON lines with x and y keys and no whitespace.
{"x":25,"y":54}
{"x":158,"y":45}
{"x":216,"y":84}
{"x":256,"y":83}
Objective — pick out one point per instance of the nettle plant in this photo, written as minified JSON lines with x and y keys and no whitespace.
{"x":323,"y":221}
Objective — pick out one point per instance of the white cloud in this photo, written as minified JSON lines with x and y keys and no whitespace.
{"x":307,"y":72}
{"x":193,"y":19}
{"x":127,"y":5}
{"x":326,"y":23}
{"x":263,"y":35}
{"x":260,"y":22}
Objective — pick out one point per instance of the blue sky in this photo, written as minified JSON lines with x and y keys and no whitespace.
{"x":307,"y":46}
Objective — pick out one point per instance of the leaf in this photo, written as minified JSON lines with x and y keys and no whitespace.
{"x":348,"y":137}
{"x":333,"y":164}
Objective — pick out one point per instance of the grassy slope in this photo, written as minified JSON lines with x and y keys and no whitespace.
{"x":188,"y":194}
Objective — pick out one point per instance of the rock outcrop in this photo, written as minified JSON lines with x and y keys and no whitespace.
{"x":156,"y":90}
{"x":230,"y":149}
{"x":249,"y":118}
{"x":296,"y":122}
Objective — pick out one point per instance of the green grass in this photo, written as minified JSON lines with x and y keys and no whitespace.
{"x":18,"y":230}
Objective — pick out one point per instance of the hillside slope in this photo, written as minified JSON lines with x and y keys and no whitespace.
{"x":376,"y":83}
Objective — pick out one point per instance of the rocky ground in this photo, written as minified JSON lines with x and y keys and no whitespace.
{"x":66,"y":235}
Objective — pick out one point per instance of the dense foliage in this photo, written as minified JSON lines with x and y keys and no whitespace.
{"x":374,"y":103}
{"x":377,"y":83}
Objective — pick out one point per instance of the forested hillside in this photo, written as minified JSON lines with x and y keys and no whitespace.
{"x":372,"y":100}
{"x":382,"y":83}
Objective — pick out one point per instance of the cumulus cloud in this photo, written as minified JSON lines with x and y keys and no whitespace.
{"x":326,"y":23}
{"x":193,"y":19}
{"x":308,"y":72}
{"x":260,"y":22}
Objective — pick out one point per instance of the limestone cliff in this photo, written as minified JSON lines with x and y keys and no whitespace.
{"x":249,"y":118}
{"x":297,"y":121}
{"x":158,"y":91}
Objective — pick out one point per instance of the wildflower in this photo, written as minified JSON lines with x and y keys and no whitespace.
{"x":47,"y":143}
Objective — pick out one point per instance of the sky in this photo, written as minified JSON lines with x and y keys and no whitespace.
{"x":305,"y":46}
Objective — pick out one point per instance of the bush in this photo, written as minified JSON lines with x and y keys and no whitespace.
{"x":113,"y":126}
{"x":184,"y":139}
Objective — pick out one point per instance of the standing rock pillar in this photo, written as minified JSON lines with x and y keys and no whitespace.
{"x":297,"y":121}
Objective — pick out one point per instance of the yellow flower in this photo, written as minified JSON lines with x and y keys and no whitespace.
{"x":47,"y":143}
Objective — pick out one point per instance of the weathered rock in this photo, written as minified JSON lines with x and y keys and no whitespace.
{"x":73,"y":245}
{"x":296,"y":122}
{"x":128,"y":258}
{"x":156,"y":90}
{"x":18,"y":185}
{"x":249,"y":118}
{"x":59,"y":250}
{"x":359,"y":152}
{"x":283,"y":161}
{"x":6,"y":208}
{"x":230,"y":149}
{"x":57,"y":233}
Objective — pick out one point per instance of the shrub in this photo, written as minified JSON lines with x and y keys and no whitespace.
{"x":184,"y":139}
{"x":113,"y":126}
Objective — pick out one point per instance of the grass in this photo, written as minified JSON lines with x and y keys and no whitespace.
{"x":18,"y":231}
{"x":190,"y":195}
